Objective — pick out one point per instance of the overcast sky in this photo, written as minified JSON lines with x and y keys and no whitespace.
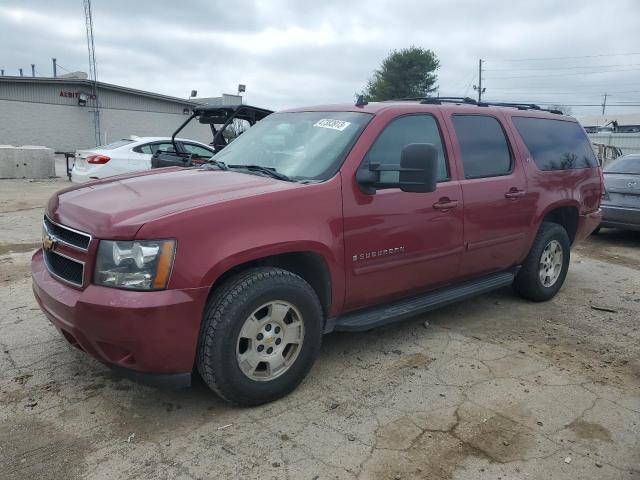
{"x":293,"y":53}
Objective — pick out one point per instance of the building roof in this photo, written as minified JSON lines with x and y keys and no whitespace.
{"x":89,"y":84}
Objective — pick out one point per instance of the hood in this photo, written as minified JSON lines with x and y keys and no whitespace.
{"x":117,"y":207}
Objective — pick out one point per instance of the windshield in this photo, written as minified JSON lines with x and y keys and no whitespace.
{"x":301,"y":145}
{"x":627,"y":164}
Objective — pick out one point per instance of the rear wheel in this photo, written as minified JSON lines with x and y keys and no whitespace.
{"x":261,"y":334}
{"x":545,"y":268}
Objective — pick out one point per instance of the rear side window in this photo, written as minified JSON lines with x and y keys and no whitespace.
{"x":401,"y":132}
{"x":483,"y":145}
{"x":555,"y":144}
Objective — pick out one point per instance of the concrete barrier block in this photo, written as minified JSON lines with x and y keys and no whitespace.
{"x":29,"y":161}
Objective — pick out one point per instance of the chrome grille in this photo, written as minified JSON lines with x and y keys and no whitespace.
{"x":65,"y":268}
{"x":67,"y":235}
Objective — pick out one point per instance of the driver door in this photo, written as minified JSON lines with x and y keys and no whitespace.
{"x":399,"y":243}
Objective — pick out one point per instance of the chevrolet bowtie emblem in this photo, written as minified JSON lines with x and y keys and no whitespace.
{"x":47,"y":241}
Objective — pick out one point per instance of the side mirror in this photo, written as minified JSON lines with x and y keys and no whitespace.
{"x":417,"y":172}
{"x":418,"y":168}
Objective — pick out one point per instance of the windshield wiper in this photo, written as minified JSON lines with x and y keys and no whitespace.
{"x":272,"y":172}
{"x":216,"y":163}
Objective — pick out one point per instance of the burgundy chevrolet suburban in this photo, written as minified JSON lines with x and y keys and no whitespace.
{"x":342,"y":217}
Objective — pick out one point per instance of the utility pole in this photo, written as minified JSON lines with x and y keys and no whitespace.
{"x":604,"y":103}
{"x":479,"y":86}
{"x":479,"y":80}
{"x":20,"y":70}
{"x":55,"y":69}
{"x":33,"y":69}
{"x":93,"y":74}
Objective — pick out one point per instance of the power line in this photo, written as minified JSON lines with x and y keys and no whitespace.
{"x":579,"y":104}
{"x":544,"y":90}
{"x":562,"y":74}
{"x":66,"y":70}
{"x":561,"y":68}
{"x":564,"y":58}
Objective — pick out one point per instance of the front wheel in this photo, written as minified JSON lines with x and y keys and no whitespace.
{"x":545,"y":268}
{"x":261,"y":334}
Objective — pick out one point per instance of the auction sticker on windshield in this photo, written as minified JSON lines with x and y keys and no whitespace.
{"x":332,"y":124}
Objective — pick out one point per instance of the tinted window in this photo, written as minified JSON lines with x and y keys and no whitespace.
{"x":555,"y":144}
{"x":626,"y":164}
{"x":484,"y":148}
{"x":197,"y":150}
{"x":401,"y":132}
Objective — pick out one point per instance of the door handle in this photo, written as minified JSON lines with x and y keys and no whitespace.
{"x":445,"y":204}
{"x":514,"y":194}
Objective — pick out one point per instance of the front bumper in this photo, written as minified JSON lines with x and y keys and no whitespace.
{"x":152,"y":336}
{"x":614,"y":216}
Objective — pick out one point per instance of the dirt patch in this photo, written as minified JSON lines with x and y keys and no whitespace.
{"x":433,"y":455}
{"x":613,"y":246}
{"x":11,"y":271}
{"x":500,"y":439}
{"x":33,"y":449}
{"x":18,"y":247}
{"x":415,"y":360}
{"x":589,"y":431}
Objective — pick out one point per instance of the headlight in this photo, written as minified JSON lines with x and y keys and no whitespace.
{"x":135,"y":265}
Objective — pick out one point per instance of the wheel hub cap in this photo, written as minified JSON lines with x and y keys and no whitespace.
{"x":270,"y":340}
{"x":551,"y":263}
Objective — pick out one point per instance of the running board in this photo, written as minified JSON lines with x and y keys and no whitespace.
{"x":378,"y":316}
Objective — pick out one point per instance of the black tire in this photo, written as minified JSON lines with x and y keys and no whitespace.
{"x":224,"y":317}
{"x":527,"y":282}
{"x":596,"y":231}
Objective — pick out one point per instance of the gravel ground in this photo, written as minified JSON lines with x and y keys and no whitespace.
{"x":491,"y":388}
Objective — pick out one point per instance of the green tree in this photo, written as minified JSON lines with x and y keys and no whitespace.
{"x":409,"y":72}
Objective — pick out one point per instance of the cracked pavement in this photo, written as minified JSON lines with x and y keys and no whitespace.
{"x":494,"y":387}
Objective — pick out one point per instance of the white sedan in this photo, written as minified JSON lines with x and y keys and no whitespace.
{"x":129,"y":155}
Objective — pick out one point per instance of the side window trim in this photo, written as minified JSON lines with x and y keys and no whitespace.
{"x":445,"y":152}
{"x":512,"y":155}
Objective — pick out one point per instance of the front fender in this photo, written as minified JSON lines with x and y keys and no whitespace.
{"x":333,"y":264}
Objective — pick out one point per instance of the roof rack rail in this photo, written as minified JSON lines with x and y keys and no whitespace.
{"x":471,"y":101}
{"x":438,"y":100}
{"x":520,"y":106}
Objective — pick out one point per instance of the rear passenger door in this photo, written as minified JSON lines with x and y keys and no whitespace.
{"x":497,"y":210}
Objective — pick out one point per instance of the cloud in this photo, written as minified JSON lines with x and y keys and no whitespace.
{"x":292,"y":53}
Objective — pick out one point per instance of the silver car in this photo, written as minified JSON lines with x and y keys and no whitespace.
{"x":621,"y":201}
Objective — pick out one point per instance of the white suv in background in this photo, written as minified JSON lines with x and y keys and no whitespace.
{"x":129,"y":155}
